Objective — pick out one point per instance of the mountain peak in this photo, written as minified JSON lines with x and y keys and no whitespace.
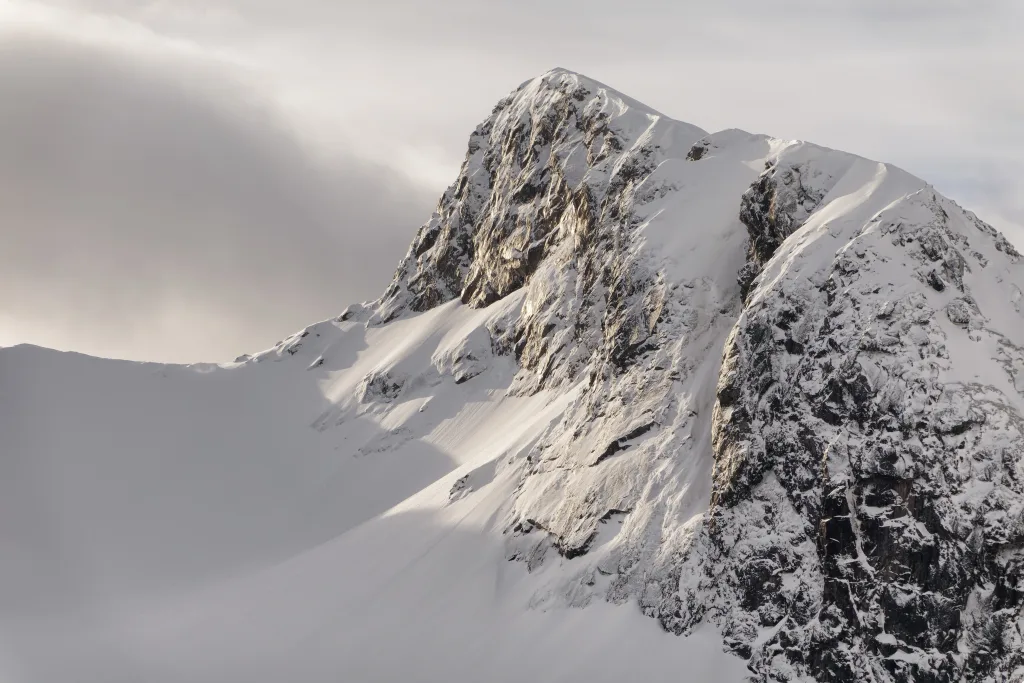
{"x":562,"y":79}
{"x":627,"y":252}
{"x":769,"y":394}
{"x":559,"y":138}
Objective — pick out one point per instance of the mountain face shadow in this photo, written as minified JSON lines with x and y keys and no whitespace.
{"x":122,"y":481}
{"x":424,"y":595}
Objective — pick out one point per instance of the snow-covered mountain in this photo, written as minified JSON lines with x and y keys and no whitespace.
{"x":641,"y":402}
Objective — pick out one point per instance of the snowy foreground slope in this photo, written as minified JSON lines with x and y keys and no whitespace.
{"x":641,"y":403}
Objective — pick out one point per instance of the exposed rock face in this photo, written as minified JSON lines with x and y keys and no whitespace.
{"x":797,"y":376}
{"x":555,"y":157}
{"x":775,"y":206}
{"x":876,"y":392}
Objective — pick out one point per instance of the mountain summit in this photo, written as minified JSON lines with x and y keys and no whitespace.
{"x":767,"y":394}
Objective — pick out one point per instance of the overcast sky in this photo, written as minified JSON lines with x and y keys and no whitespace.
{"x":186,"y":180}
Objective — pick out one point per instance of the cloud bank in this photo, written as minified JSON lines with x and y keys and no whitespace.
{"x":190,"y":180}
{"x":154,"y":207}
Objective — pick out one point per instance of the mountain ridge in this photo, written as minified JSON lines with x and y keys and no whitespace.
{"x":755,"y":387}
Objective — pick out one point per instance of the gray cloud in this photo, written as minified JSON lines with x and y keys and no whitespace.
{"x":155,"y":207}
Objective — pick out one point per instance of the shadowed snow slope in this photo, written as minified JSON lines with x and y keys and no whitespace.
{"x":531,"y":440}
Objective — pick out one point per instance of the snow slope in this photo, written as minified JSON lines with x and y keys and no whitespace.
{"x":530,"y":441}
{"x":258,"y":521}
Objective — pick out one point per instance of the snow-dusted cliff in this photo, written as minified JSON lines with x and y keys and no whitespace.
{"x":768,"y":393}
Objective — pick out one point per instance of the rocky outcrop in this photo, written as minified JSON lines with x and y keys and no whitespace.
{"x":867,"y":410}
{"x":775,"y":206}
{"x":556,"y":156}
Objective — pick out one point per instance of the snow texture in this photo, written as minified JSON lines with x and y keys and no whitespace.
{"x":766,"y":393}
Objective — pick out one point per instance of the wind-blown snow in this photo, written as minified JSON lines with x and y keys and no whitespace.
{"x":531,"y":440}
